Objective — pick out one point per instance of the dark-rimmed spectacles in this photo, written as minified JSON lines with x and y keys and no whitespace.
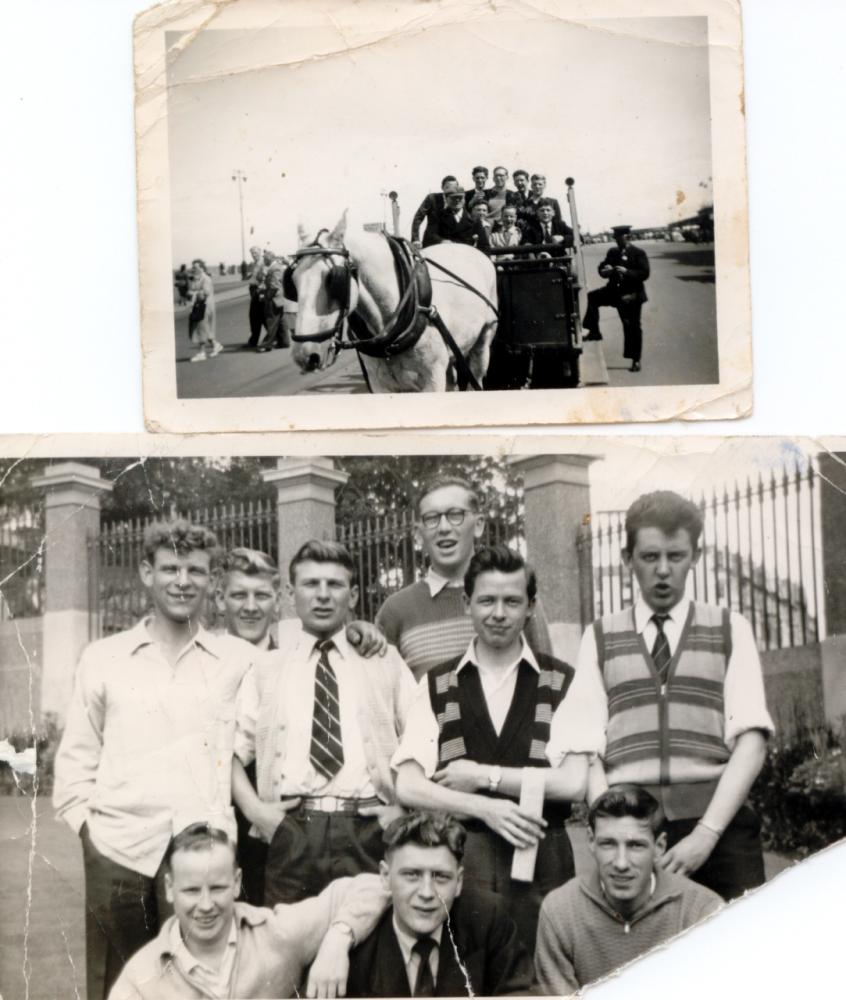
{"x":455,"y":516}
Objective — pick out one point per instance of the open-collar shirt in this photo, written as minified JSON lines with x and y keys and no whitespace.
{"x":436,"y":583}
{"x":420,"y":738}
{"x":214,"y":984}
{"x":147,"y":746}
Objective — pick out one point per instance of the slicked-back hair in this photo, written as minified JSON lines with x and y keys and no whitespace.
{"x":479,"y":170}
{"x":198,"y":837}
{"x":250,"y":562}
{"x":425,"y":829}
{"x":441,"y":482}
{"x":323,"y":552}
{"x":520,"y":172}
{"x":178,"y":536}
{"x":447,"y":179}
{"x":500,"y":559}
{"x":665,"y":510}
{"x":500,"y":168}
{"x":627,"y":800}
{"x":545,"y":203}
{"x":538,"y":177}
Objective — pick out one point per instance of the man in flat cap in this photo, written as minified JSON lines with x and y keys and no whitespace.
{"x":626,"y":268}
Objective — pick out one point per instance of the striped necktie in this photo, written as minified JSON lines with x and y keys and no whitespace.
{"x":661,"y":648}
{"x":424,"y":985}
{"x":327,"y":751}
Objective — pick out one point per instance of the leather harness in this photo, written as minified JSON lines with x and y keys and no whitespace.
{"x":414,"y":311}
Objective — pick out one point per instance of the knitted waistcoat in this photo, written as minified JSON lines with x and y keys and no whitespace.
{"x":464,"y":726}
{"x":669,"y":738}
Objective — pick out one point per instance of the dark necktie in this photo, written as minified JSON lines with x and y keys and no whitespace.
{"x":424,"y":986}
{"x":327,"y":751}
{"x":661,"y":648}
{"x":547,"y":235}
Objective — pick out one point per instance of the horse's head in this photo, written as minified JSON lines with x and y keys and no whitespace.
{"x":321,"y":282}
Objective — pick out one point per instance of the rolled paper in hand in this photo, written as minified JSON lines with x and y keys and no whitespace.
{"x":531,"y":801}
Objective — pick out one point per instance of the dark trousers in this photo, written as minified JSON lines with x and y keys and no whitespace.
{"x":277,"y":333}
{"x":123,"y":911}
{"x":736,"y":863}
{"x":629,"y":313}
{"x":252,"y":853}
{"x":487,"y":865}
{"x":257,"y":313}
{"x":311,"y":849}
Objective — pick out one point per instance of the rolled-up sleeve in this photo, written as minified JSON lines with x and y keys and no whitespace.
{"x":78,"y":756}
{"x":420,"y":739}
{"x":580,"y":722}
{"x":745,"y":701}
{"x":246,"y":714}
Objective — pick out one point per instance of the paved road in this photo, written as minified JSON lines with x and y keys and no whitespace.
{"x":679,"y":322}
{"x":239,"y":372}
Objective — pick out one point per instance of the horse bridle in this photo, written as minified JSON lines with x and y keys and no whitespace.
{"x":343,"y":295}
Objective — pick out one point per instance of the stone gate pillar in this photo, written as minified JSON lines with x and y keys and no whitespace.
{"x":557,"y":502}
{"x":72,"y":492}
{"x":832,"y":483}
{"x":305,"y":498}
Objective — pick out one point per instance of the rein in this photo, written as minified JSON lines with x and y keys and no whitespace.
{"x":415,"y":301}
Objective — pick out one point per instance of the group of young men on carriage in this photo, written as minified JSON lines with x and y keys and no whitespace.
{"x":491,"y":217}
{"x":386,"y":839}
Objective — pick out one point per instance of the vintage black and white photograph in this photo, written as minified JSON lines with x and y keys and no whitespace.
{"x":345,"y":199}
{"x":413,"y":723}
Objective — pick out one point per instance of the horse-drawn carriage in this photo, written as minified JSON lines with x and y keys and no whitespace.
{"x":449,"y":317}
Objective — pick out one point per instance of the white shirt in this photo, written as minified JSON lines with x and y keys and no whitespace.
{"x":581,"y":726}
{"x":420,"y":738}
{"x":411,"y":958}
{"x":147,"y":746}
{"x":436,"y":583}
{"x":295,"y":774}
{"x":215,"y":984}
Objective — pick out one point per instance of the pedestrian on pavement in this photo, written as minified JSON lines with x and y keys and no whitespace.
{"x":257,"y":308}
{"x":278,"y":332}
{"x":201,"y":320}
{"x":147,"y":746}
{"x":626,"y":267}
{"x":182,"y":280}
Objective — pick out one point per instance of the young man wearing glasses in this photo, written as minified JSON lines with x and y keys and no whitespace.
{"x":427,"y":621}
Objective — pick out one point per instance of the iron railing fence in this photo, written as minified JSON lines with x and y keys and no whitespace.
{"x":760,"y":556}
{"x":22,"y":559}
{"x":388,"y":555}
{"x":118,"y":599}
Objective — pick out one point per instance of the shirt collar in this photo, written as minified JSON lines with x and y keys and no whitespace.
{"x":643,"y":613}
{"x":138,"y":637}
{"x":308,"y":642}
{"x":436,"y":582}
{"x":188,"y":962}
{"x":525,"y":654}
{"x":408,"y":941}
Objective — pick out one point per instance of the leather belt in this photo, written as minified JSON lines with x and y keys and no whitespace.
{"x":333,"y":804}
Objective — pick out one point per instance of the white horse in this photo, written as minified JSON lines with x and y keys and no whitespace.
{"x":374,"y":297}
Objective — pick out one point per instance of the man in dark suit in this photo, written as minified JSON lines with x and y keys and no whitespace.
{"x":478,"y":192}
{"x":411,"y":952}
{"x":537,"y":194}
{"x":549,"y":230}
{"x":626,"y":268}
{"x":431,"y":205}
{"x":456,"y":225}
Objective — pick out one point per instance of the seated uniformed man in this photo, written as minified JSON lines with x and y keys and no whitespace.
{"x":625,"y":906}
{"x":215,"y":947}
{"x":411,"y":952}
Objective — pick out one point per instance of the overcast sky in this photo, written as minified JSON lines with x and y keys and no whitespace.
{"x":621,"y":106}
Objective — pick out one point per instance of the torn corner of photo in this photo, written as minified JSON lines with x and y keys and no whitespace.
{"x":302,"y":267}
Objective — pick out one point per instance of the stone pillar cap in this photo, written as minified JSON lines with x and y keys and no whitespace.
{"x":73,"y":474}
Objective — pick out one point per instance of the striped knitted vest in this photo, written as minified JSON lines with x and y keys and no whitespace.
{"x":464,"y":729}
{"x":669,"y":739}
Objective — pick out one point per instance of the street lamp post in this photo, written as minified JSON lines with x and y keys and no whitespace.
{"x":241,"y":177}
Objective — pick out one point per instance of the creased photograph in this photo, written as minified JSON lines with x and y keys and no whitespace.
{"x":342,"y":202}
{"x":395,"y":719}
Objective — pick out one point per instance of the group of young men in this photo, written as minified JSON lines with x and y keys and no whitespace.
{"x":404,"y":832}
{"x":495,"y":216}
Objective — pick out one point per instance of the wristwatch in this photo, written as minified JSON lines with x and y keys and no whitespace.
{"x":494,"y":778}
